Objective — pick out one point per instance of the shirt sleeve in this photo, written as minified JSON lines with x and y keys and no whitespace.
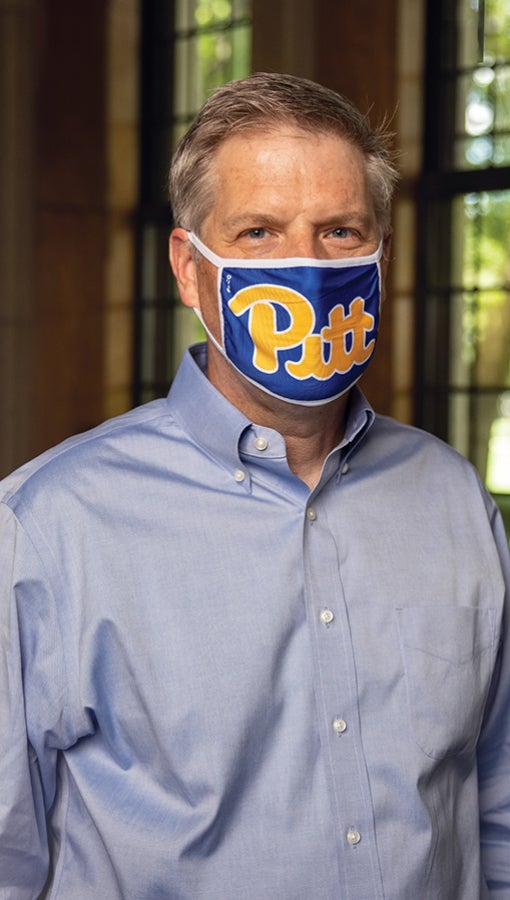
{"x":494,"y":753}
{"x":23,"y":842}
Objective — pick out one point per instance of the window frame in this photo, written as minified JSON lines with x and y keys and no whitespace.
{"x":438,"y":187}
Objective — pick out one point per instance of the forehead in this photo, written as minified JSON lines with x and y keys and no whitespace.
{"x":246,"y":146}
{"x":286,"y":164}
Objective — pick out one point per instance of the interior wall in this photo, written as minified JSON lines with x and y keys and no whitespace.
{"x":70,"y":218}
{"x":122,"y":152}
{"x":409,"y":127}
{"x":68,"y":195}
{"x":17,"y":85}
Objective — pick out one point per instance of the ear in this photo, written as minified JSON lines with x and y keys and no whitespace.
{"x":387,"y":246}
{"x":385,"y":261}
{"x":184,"y":267}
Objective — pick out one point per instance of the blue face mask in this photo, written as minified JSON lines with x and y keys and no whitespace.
{"x":303,"y":330}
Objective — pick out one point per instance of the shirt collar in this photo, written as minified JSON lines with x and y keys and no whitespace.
{"x":211,"y":421}
{"x":360,"y":417}
{"x":216,"y":425}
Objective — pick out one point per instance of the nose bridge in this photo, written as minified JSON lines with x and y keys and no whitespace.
{"x":302,"y":240}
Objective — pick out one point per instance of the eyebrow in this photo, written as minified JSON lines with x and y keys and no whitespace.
{"x":245,"y":219}
{"x":252,"y":217}
{"x":349,"y":217}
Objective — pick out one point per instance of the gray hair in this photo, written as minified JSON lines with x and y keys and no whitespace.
{"x":268,"y":101}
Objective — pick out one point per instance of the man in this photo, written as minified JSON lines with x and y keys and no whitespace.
{"x":255,"y":641}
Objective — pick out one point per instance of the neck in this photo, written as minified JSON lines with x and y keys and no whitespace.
{"x":311,"y":436}
{"x":310,"y":432}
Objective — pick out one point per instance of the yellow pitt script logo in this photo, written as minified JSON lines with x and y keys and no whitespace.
{"x":260,"y":300}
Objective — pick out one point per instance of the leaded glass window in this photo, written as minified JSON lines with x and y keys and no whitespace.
{"x":464,"y":319}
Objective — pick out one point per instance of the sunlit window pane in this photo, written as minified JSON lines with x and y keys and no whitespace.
{"x":480,"y":324}
{"x":476,"y":74}
{"x":212,"y":46}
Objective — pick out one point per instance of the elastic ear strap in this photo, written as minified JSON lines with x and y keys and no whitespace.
{"x":208,"y":333}
{"x":209,"y":255}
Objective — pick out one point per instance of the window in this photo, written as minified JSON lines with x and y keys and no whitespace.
{"x":189,"y":47}
{"x":464,"y":319}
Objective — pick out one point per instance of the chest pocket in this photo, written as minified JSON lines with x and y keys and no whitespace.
{"x":448,"y":655}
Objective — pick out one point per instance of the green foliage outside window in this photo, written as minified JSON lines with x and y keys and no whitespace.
{"x":213,"y":46}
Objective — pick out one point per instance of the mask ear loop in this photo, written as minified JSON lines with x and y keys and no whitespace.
{"x":209,"y":334}
{"x":218,"y":263}
{"x":209,"y":255}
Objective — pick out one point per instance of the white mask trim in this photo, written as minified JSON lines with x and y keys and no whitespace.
{"x":282,"y":263}
{"x":257,"y":384}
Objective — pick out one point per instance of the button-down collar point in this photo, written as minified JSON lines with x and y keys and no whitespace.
{"x":239,"y":475}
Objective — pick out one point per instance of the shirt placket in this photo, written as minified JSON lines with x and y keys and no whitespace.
{"x":338,"y":705}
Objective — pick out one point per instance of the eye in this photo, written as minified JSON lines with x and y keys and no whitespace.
{"x":255,"y":233}
{"x":341,"y":232}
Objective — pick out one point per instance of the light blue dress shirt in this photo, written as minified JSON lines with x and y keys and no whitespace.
{"x":218,"y":685}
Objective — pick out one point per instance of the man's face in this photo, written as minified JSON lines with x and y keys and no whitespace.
{"x":278,"y":194}
{"x":284,"y":193}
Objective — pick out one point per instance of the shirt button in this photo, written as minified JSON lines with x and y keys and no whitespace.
{"x":345,"y":469}
{"x":326,"y":616}
{"x":261,"y":443}
{"x":239,"y":475}
{"x":311,"y":515}
{"x":353,"y":837}
{"x":339,"y":725}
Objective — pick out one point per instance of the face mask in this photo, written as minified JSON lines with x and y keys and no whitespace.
{"x":303,"y":330}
